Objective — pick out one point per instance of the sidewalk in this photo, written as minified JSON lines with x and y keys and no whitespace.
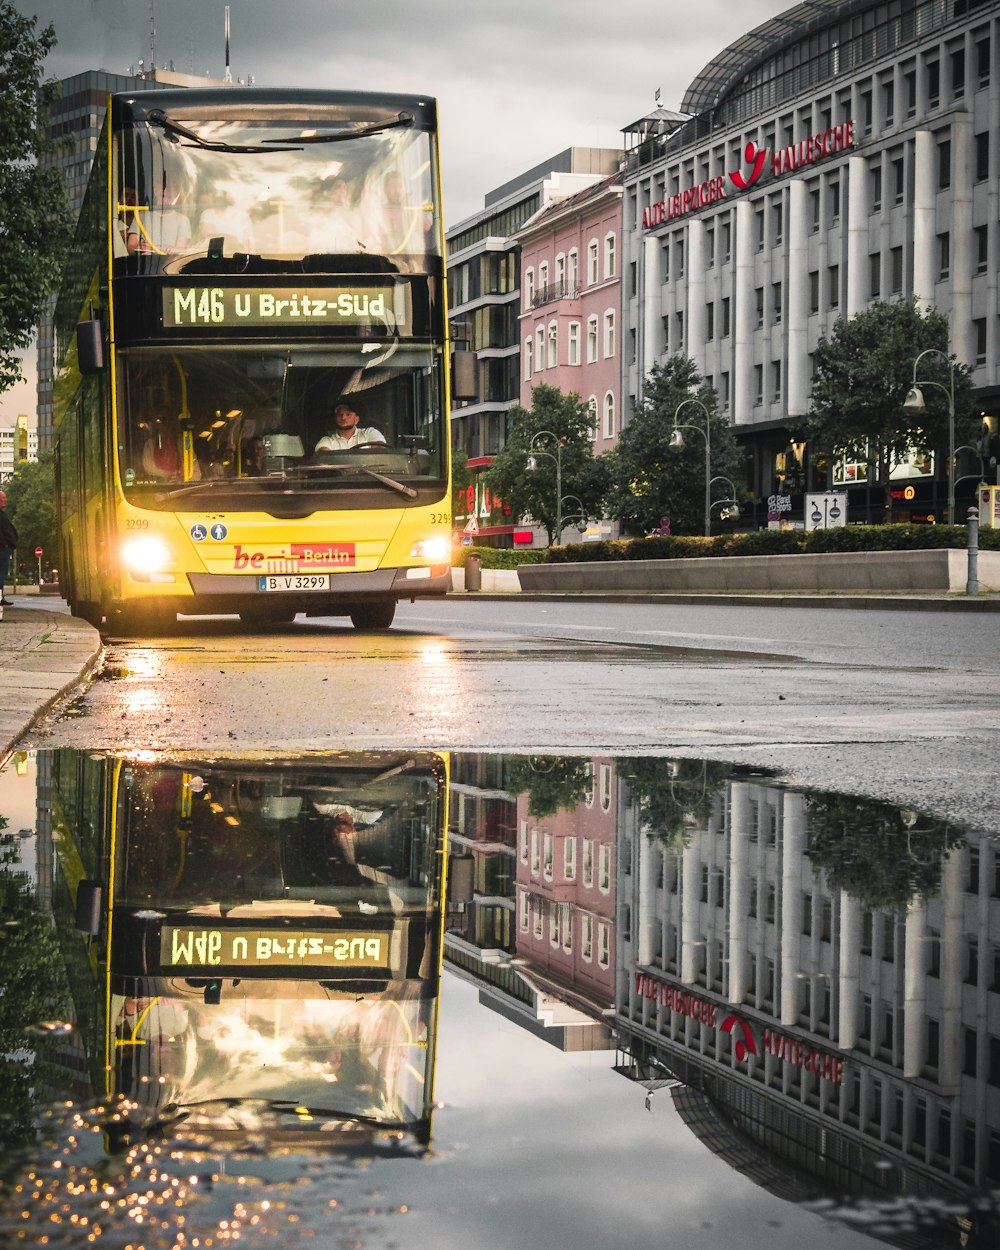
{"x":44,"y":653}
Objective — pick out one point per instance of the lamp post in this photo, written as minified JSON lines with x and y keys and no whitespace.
{"x":677,"y":444}
{"x":557,"y":457}
{"x":914,"y":402}
{"x":734,"y":511}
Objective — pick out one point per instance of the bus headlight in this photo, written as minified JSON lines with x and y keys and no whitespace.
{"x":437,"y":549}
{"x":146,"y":555}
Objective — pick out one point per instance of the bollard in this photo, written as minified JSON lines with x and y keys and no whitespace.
{"x":972,"y":580}
{"x":473,"y":571}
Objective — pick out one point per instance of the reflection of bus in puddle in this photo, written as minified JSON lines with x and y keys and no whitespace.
{"x":266,"y":938}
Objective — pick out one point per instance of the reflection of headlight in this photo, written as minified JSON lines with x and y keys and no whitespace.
{"x":437,"y":549}
{"x":145,"y":555}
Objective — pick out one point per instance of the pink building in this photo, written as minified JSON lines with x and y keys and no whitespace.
{"x":565,"y":890}
{"x":571,"y":307}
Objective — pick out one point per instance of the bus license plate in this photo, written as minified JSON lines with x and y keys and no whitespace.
{"x":294,"y":581}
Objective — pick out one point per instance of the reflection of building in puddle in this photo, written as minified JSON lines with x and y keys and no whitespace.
{"x":823,"y":970}
{"x":531,"y":899}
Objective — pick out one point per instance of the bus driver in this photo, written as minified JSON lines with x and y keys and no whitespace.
{"x":347,"y":433}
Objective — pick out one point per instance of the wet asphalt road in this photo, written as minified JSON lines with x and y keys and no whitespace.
{"x":895,"y":705}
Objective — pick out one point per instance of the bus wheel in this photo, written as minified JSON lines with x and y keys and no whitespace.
{"x":374,"y":616}
{"x":262,"y":618}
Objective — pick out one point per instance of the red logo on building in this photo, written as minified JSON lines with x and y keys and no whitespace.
{"x":756,"y":158}
{"x":743,"y":1039}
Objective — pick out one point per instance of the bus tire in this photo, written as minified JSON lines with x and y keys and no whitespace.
{"x":88,"y":610}
{"x":373,"y":617}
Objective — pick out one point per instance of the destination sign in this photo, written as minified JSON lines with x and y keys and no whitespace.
{"x":271,"y":306}
{"x":182,"y":947}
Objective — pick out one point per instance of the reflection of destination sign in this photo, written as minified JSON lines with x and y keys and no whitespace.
{"x":273,"y":948}
{"x":257,"y":306}
{"x":745,"y":1044}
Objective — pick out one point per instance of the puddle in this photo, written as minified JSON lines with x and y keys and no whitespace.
{"x":422,"y":999}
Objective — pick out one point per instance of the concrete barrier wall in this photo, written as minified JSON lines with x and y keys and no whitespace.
{"x":492,"y":579}
{"x":878,"y":571}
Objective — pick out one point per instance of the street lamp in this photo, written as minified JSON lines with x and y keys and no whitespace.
{"x":914,"y":403}
{"x":557,"y":457}
{"x":677,"y":444}
{"x":734,"y":511}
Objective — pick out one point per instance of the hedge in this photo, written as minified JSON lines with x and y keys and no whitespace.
{"x":497,"y":558}
{"x":771,"y":543}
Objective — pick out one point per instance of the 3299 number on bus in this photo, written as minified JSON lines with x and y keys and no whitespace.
{"x":294,"y":581}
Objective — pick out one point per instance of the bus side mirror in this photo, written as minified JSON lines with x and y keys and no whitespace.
{"x":88,"y":908}
{"x":90,"y":346}
{"x":464,"y":375}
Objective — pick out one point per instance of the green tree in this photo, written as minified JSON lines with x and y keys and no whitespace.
{"x":552,"y":783}
{"x":34,"y":219}
{"x":31,"y":505}
{"x":557,"y":426}
{"x":880,"y":855}
{"x":648,"y":478}
{"x":862,"y":374}
{"x":674,"y":797}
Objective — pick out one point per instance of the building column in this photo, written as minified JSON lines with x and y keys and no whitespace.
{"x":799,"y":380}
{"x":925,"y":257}
{"x":849,"y":972}
{"x":744,"y":315}
{"x":652,"y":296}
{"x":915,"y":991}
{"x":690,"y":907}
{"x":793,"y":827}
{"x":857,"y":235}
{"x":952,"y":927}
{"x":963,"y":341}
{"x":695,"y":315}
{"x":739,"y":894}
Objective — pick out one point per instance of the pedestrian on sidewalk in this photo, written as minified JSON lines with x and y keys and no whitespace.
{"x":8,"y":541}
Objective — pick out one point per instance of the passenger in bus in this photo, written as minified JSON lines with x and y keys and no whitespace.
{"x":253,"y":457}
{"x":162,"y":452}
{"x":347,"y":432}
{"x":168,"y":229}
{"x":342,"y":229}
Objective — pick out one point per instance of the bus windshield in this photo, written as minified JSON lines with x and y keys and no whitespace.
{"x":282,"y":183}
{"x":232,"y":422}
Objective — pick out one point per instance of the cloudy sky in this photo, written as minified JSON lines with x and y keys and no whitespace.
{"x":517,"y":81}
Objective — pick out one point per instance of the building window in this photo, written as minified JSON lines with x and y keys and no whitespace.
{"x":605,"y":787}
{"x":898,"y":180}
{"x":543,"y":280}
{"x":710,"y":248}
{"x":572,"y":271}
{"x":979,"y":325}
{"x":679,"y":257}
{"x":727,"y":241}
{"x":758,"y":229}
{"x":776,"y":302}
{"x":725,"y":317}
{"x":834,"y":203}
{"x":777,"y":223}
{"x":553,"y":359}
{"x":888,"y":102}
{"x":896,"y":259}
{"x":933,"y":84}
{"x":724,"y":389}
{"x":874,"y":275}
{"x":536,"y":854}
{"x":591,"y":340}
{"x":680,"y":331}
{"x":758,"y":385}
{"x":609,"y":415}
{"x":633,"y":279}
{"x":529,"y":287}
{"x":522,"y":842}
{"x":587,"y":937}
{"x":814,"y":291}
{"x":539,"y":349}
{"x":958,"y":73}
{"x":776,"y":381}
{"x":910,"y":87}
{"x":604,"y":869}
{"x":573,"y":347}
{"x":603,"y":945}
{"x":569,"y":858}
{"x":588,"y":863}
{"x":523,"y":899}
{"x":592,"y":405}
{"x":609,"y":334}
{"x":560,"y":275}
{"x":592,"y":257}
{"x":982,"y":157}
{"x":944,"y":164}
{"x":709,"y":322}
{"x":983,"y":62}
{"x":876,"y":187}
{"x":547,"y":856}
{"x":609,"y":256}
{"x":814,"y":210}
{"x":982,"y":248}
{"x":759,"y":305}
{"x":528,"y":343}
{"x":944,"y":255}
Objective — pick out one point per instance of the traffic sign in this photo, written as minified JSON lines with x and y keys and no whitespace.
{"x":472,"y":527}
{"x":38,"y":552}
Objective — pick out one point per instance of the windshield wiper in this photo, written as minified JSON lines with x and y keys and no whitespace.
{"x":407,"y":491}
{"x":157,"y":117}
{"x":356,"y":132}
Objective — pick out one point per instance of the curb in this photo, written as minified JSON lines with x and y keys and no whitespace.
{"x":878,"y":603}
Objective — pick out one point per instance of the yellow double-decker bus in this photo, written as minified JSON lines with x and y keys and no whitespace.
{"x":261,"y":941}
{"x":253,"y":385}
